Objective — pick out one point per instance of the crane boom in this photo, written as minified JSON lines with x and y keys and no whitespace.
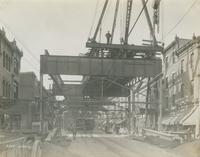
{"x":114,"y":21}
{"x":149,"y":23}
{"x":100,"y":20}
{"x":128,"y":18}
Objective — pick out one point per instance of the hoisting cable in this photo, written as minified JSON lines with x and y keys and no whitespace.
{"x":137,"y":18}
{"x":93,"y":19}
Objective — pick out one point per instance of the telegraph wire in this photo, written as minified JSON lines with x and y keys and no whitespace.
{"x":21,"y":43}
{"x":181,"y":18}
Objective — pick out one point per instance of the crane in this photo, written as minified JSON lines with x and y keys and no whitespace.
{"x":124,"y":49}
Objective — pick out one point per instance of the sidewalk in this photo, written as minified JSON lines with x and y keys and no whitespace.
{"x":190,"y":149}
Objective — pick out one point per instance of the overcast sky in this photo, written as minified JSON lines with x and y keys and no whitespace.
{"x":63,"y":26}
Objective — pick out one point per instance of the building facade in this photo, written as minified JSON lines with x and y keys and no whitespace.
{"x":10,"y":59}
{"x":181,"y":86}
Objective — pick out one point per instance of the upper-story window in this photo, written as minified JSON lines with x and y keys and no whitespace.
{"x":166,"y":82}
{"x":16,"y":66}
{"x":173,"y":76}
{"x":166,"y":62}
{"x":15,"y":89}
{"x":4,"y":59}
{"x":173,"y":57}
{"x":7,"y":61}
{"x":4,"y":88}
{"x":182,"y":90}
{"x":182,"y":65}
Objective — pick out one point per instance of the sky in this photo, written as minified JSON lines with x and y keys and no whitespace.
{"x":63,"y":26}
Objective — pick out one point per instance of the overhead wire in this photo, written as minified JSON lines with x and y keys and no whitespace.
{"x":22,"y":44}
{"x":16,"y":37}
{"x":181,"y":18}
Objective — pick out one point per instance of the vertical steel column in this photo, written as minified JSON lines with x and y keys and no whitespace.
{"x":41,"y":105}
{"x":129,"y":114}
{"x":160,"y":104}
{"x":197,"y":95}
{"x":132,"y":110}
{"x":147,"y":100}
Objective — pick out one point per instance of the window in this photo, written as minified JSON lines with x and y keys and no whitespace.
{"x":167,"y":102}
{"x":4,"y":59}
{"x":173,"y":100}
{"x":173,"y":77}
{"x":182,"y":90}
{"x":4,"y":90}
{"x":9,"y":89}
{"x":182,"y":66}
{"x":166,"y":62}
{"x":15,"y":89}
{"x":16,"y":66}
{"x":166,"y":82}
{"x":9,"y":62}
{"x":173,"y":57}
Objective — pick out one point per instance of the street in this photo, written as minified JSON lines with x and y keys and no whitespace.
{"x":94,"y":145}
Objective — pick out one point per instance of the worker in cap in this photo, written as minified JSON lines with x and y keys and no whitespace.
{"x":108,"y":37}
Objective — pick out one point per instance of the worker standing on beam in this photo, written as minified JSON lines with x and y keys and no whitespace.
{"x":108,"y":37}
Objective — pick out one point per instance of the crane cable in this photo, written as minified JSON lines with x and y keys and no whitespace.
{"x":181,"y":18}
{"x":137,"y":18}
{"x":122,"y":22}
{"x":93,"y":19}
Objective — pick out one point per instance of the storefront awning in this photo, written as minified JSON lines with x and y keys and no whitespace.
{"x":191,"y":118}
{"x":181,"y":117}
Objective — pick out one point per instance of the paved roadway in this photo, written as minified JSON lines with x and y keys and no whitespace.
{"x":93,"y":145}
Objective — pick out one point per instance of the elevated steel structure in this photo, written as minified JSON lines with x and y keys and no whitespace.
{"x":104,"y":67}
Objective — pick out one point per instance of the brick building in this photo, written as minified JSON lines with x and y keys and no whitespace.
{"x":181,"y":85}
{"x":10,"y":59}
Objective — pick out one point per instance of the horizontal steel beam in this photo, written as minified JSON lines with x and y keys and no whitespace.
{"x":74,"y":90}
{"x":76,"y":65}
{"x":135,"y":48}
{"x":94,"y":90}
